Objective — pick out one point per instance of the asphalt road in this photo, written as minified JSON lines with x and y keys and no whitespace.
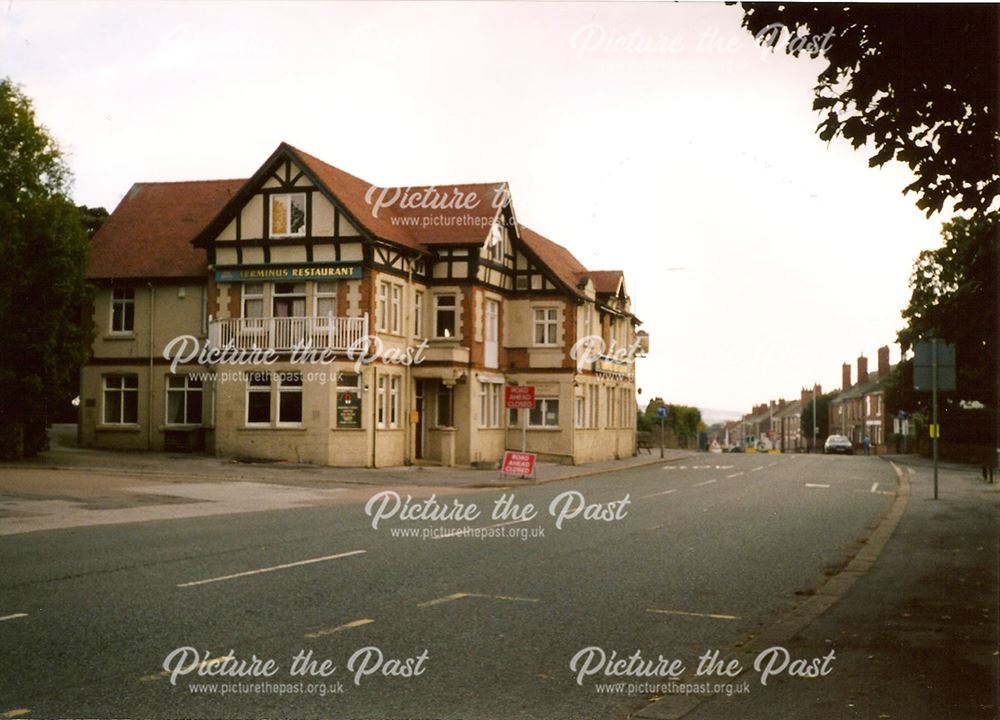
{"x":706,"y":552}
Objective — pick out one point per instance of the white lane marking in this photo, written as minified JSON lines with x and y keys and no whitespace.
{"x":15,"y":616}
{"x":15,"y":713}
{"x":874,"y":487}
{"x":714,"y":616}
{"x":675,"y":467}
{"x":707,"y":482}
{"x":284,"y":566}
{"x":816,"y":485}
{"x":912,"y":471}
{"x":665,"y":492}
{"x":456,"y":533}
{"x":339,"y":628}
{"x":759,"y":467}
{"x":657,"y":527}
{"x":462,"y":595}
{"x":734,"y":475}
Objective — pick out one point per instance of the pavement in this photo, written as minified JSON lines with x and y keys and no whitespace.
{"x":915,"y":635}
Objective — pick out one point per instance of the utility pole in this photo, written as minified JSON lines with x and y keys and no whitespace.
{"x":935,"y":430}
{"x":815,"y":429}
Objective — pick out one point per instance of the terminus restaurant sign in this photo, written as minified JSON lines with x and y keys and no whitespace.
{"x":276,"y":272}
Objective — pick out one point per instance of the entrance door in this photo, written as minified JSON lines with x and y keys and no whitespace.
{"x":491,"y":349}
{"x":420,"y":405}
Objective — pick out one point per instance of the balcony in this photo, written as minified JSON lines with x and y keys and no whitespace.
{"x":284,"y":334}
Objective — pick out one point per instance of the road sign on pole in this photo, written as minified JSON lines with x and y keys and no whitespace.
{"x":522,"y":399}
{"x":661,"y":412}
{"x":934,"y":370}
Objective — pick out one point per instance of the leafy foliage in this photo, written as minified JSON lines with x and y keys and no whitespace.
{"x":954,"y":298}
{"x":44,"y":247}
{"x":683,"y":420}
{"x":822,"y":418}
{"x":918,"y":84}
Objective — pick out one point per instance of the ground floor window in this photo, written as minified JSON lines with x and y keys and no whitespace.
{"x":581,"y":412}
{"x":490,"y":404}
{"x":259,"y":398}
{"x":545,"y":413}
{"x":290,"y":398}
{"x":121,"y":399}
{"x":184,"y":400}
{"x":387,"y":404}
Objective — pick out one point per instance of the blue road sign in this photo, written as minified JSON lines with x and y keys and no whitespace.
{"x":661,"y":412}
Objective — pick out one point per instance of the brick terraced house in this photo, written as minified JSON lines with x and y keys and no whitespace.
{"x":301,"y":268}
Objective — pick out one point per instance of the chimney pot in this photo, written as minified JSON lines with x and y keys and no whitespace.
{"x":883,"y":361}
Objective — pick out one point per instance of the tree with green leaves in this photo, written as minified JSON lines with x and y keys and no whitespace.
{"x":913,"y":83}
{"x":954,"y":298}
{"x":44,"y":249}
{"x":822,"y":418}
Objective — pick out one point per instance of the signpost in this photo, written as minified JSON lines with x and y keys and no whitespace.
{"x":934,"y":370}
{"x":661,"y":412}
{"x":521,"y":398}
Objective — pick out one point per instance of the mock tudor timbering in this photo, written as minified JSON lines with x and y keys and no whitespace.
{"x":454,"y":297}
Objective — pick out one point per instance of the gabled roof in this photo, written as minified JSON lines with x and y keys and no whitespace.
{"x":554,"y":256}
{"x":874,"y":383}
{"x":607,"y":282}
{"x":149,"y":234}
{"x":161,"y":229}
{"x":793,"y":408}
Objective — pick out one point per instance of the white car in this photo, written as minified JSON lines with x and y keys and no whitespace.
{"x":838,"y":444}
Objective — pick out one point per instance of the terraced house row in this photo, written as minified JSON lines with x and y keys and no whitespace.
{"x":349,"y":325}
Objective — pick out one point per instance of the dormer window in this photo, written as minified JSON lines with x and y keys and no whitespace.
{"x":288,"y":215}
{"x":494,"y":245}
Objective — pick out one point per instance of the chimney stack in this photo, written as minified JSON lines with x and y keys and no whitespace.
{"x":845,"y":372}
{"x":883,"y":362}
{"x":862,"y":369}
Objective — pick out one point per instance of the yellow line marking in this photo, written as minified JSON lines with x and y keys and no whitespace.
{"x":200,"y":666}
{"x":15,"y":713}
{"x":665,"y":492}
{"x":714,"y":616}
{"x":462,"y":595}
{"x":272,"y":568}
{"x":345,"y":626}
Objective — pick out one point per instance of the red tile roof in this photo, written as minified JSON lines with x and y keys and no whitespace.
{"x":606,"y":281}
{"x":557,"y":258}
{"x":149,"y":234}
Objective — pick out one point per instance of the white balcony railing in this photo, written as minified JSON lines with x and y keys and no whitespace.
{"x":288,"y":333}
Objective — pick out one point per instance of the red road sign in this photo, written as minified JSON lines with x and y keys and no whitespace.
{"x":518,"y":463}
{"x":519,"y":397}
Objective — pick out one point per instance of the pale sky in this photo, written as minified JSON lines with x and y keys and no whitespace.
{"x":656,"y":139}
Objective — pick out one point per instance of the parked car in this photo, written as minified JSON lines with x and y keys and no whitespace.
{"x":736,"y":449}
{"x":838,"y":444}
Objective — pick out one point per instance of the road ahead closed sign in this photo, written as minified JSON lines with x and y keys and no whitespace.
{"x":519,"y":397}
{"x":518,"y":463}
